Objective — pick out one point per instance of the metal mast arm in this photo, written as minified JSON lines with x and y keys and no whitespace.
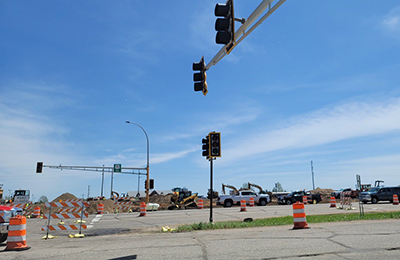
{"x":241,"y":33}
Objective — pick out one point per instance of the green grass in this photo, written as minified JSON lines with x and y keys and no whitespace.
{"x":288,"y":220}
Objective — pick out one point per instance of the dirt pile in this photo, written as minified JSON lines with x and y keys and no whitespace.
{"x":326,"y":194}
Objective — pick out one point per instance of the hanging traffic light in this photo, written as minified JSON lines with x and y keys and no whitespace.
{"x":151,"y":184}
{"x":225,"y":26}
{"x":215,"y":144}
{"x":206,"y":147}
{"x":39,"y":167}
{"x":200,"y":77}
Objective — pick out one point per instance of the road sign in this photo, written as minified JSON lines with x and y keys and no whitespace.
{"x":117,"y":167}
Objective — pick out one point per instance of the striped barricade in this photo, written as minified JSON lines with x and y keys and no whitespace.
{"x":76,"y":210}
{"x":27,"y":209}
{"x":122,"y":206}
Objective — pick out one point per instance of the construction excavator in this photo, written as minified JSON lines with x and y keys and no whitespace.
{"x":233,"y":191}
{"x":261,"y":191}
{"x":182,"y":198}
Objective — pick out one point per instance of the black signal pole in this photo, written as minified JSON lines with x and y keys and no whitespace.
{"x":211,"y":190}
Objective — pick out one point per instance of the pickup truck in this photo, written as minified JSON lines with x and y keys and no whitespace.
{"x":5,"y":214}
{"x":295,"y":196}
{"x":229,"y":200}
{"x":354,"y":193}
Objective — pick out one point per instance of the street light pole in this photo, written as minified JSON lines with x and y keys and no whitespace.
{"x":148,"y":165}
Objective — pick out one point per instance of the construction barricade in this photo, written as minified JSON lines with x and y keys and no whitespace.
{"x":243,"y":205}
{"x":305,"y":200}
{"x":27,"y":210}
{"x":395,"y":199}
{"x":200,"y":204}
{"x":299,"y":216}
{"x":333,"y":202}
{"x":251,"y":203}
{"x":123,"y":204}
{"x":61,"y":226}
{"x":16,"y":239}
{"x":345,"y":201}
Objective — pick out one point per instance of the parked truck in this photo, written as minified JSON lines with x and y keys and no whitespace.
{"x":5,"y":214}
{"x":234,"y":199}
{"x":295,"y":196}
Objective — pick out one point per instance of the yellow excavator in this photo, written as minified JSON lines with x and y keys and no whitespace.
{"x":261,"y":191}
{"x":182,"y":198}
{"x":233,"y":189}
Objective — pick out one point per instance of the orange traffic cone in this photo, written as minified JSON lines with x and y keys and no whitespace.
{"x":142,"y":209}
{"x":200,"y":204}
{"x":333,"y":202}
{"x":243,"y":205}
{"x":299,"y":216}
{"x":395,"y":199}
{"x":17,"y":234}
{"x":251,"y":203}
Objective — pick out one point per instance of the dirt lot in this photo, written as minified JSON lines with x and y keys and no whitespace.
{"x":163,"y":200}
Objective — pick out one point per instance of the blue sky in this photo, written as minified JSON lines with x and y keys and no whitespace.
{"x":318,"y":80}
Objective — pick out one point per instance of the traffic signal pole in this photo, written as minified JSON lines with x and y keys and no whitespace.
{"x":242,"y":32}
{"x":211,"y":190}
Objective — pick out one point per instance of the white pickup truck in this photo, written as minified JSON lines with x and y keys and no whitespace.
{"x":229,"y":200}
{"x":5,"y":214}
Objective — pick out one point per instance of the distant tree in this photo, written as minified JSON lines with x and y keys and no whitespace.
{"x":278,"y":188}
{"x":43,"y":199}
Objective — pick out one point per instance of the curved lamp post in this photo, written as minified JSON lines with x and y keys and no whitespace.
{"x":147,"y":167}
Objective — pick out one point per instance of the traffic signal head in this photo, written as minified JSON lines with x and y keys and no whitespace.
{"x":206,"y":146}
{"x":39,"y":167}
{"x":225,"y":26}
{"x":200,"y":77}
{"x":215,"y":144}
{"x":151,"y":184}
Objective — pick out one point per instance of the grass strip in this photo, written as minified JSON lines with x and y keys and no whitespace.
{"x":288,"y":220}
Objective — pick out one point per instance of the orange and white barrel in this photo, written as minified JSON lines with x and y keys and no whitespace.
{"x":243,"y":205}
{"x":36,"y":212}
{"x":251,"y":203}
{"x":142,"y":209}
{"x":299,"y":216}
{"x":395,"y":199}
{"x":333,"y":202}
{"x":16,"y":239}
{"x":200,"y":204}
{"x":305,"y":200}
{"x":100,"y":208}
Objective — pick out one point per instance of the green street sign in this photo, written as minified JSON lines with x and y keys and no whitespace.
{"x":117,"y":167}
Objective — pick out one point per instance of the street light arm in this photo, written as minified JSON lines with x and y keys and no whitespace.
{"x":147,"y":138}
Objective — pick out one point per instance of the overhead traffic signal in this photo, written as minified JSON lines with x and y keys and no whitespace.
{"x":39,"y":167}
{"x":200,"y":77}
{"x":206,"y":147}
{"x":151,"y":184}
{"x":225,"y":26}
{"x":215,"y":144}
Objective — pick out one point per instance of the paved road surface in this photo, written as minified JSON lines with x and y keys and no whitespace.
{"x":127,"y":236}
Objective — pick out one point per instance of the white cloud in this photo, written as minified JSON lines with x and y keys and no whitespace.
{"x":391,"y":22}
{"x":328,"y":125}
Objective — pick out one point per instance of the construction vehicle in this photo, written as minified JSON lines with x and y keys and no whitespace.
{"x":20,"y":197}
{"x":233,"y":191}
{"x":182,"y":198}
{"x":214,"y":196}
{"x":378,"y":183}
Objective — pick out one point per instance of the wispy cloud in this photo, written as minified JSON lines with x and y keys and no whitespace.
{"x":391,"y":22}
{"x":325,"y":126}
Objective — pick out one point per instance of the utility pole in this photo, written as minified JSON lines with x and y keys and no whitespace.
{"x":312,"y":175}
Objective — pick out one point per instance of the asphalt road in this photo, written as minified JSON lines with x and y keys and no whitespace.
{"x":127,"y":236}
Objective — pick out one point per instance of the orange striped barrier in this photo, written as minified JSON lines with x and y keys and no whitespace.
{"x":66,"y":215}
{"x":64,"y":227}
{"x":333,"y":202}
{"x":100,"y":208}
{"x":305,"y":200}
{"x":299,"y":216}
{"x":36,"y":212}
{"x":200,"y":204}
{"x":16,"y":239}
{"x":243,"y":205}
{"x":67,"y":204}
{"x":251,"y":203}
{"x":142,"y":209}
{"x":395,"y":199}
